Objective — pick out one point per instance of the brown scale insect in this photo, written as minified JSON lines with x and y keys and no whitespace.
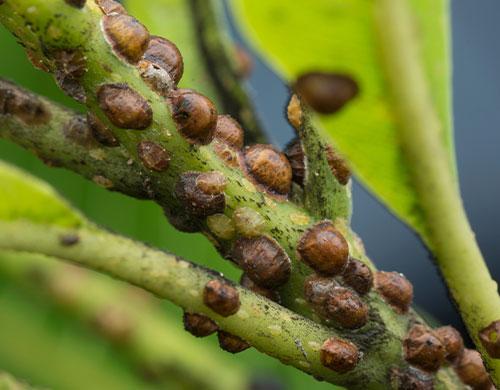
{"x":71,"y":66}
{"x":339,"y":355}
{"x":22,"y":105}
{"x":101,"y":132}
{"x":345,"y":308}
{"x":470,"y":368}
{"x":195,"y":200}
{"x":126,"y":35}
{"x":231,"y":343}
{"x":294,"y":112}
{"x":229,"y":131}
{"x":326,"y":93}
{"x":77,"y":130}
{"x":412,"y":379}
{"x":452,"y":341}
{"x":269,"y":168}
{"x":423,"y":348}
{"x":316,"y":289}
{"x":110,"y":6}
{"x":199,"y":325}
{"x":324,"y":249}
{"x":181,"y":221}
{"x":124,"y":107}
{"x":263,"y":260}
{"x":337,"y":164}
{"x":221,"y":297}
{"x":195,"y":115}
{"x":76,"y":3}
{"x":153,"y":156}
{"x":295,"y":155}
{"x":490,"y":338}
{"x":358,"y":276}
{"x":248,"y":283}
{"x":165,"y":54}
{"x":243,"y":61}
{"x":395,"y":289}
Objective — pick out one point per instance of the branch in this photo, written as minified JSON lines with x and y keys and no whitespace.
{"x":451,"y":237}
{"x":273,"y":329}
{"x":37,"y":343}
{"x":243,"y":207}
{"x":127,"y":318}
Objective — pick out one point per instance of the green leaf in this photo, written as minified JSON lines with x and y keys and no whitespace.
{"x":341,"y":36}
{"x":24,"y":197}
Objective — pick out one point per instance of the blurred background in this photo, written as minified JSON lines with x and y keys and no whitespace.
{"x":392,"y":245}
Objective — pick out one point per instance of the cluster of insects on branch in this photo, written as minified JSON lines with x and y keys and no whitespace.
{"x":339,"y":282}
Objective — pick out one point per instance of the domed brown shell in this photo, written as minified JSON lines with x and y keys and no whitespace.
{"x":127,"y":36}
{"x":324,"y":249}
{"x":195,"y":115}
{"x":263,"y":260}
{"x":325,"y":92}
{"x":269,"y":168}
{"x":164,"y":53}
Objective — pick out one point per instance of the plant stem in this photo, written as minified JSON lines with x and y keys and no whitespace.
{"x":44,"y":347}
{"x":273,"y":329}
{"x":126,"y":317}
{"x":451,"y":237}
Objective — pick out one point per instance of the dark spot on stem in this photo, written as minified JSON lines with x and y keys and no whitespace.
{"x":76,"y":3}
{"x":69,"y":239}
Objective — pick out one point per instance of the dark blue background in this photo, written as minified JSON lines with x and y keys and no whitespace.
{"x":476,"y":57}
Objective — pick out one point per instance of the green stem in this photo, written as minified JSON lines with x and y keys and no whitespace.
{"x":382,"y":337}
{"x":272,"y":329}
{"x":451,"y":237}
{"x":45,"y":348}
{"x":380,"y":340}
{"x":128,"y":318}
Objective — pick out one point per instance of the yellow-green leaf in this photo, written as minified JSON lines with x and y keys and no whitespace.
{"x":341,"y":36}
{"x":22,"y":196}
